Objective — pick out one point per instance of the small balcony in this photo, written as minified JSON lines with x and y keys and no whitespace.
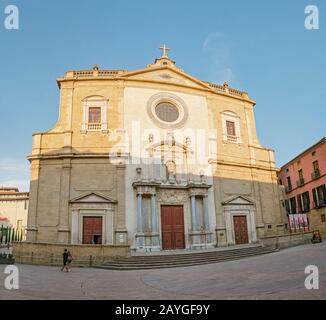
{"x":288,"y":189}
{"x":232,"y":139}
{"x":319,"y":204}
{"x":300,"y":182}
{"x":94,"y":126}
{"x":315,"y":175}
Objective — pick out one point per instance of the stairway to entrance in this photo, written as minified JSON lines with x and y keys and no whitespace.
{"x":183,"y":259}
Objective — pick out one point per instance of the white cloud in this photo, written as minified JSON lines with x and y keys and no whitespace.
{"x":216,"y":47}
{"x":14,"y":173}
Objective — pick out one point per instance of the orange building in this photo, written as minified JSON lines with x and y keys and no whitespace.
{"x":304,"y":178}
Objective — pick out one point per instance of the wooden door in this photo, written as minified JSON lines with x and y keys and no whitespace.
{"x":173,"y":236}
{"x":92,"y":230}
{"x":240,"y":229}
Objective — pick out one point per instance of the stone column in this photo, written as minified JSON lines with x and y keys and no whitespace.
{"x":74,"y":227}
{"x":120,"y":223}
{"x":194,"y":213}
{"x":32,"y":223}
{"x":64,"y":214}
{"x":154,"y":213}
{"x":139,"y":213}
{"x":206,"y":215}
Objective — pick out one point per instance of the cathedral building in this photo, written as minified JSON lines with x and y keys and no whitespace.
{"x":152,"y":158}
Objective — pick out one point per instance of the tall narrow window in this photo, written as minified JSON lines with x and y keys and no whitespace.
{"x":304,"y":202}
{"x":319,"y":195}
{"x":230,"y":127}
{"x":289,"y":183}
{"x":316,"y":172}
{"x":316,"y":165}
{"x":301,"y":179}
{"x":94,"y":118}
{"x":94,"y":115}
{"x":293,"y":205}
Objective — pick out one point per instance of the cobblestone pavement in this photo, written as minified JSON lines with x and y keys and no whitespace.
{"x":278,"y":275}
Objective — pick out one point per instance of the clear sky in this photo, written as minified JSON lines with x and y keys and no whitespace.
{"x":258,"y":46}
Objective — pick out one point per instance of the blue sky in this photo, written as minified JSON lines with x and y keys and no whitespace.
{"x":258,"y":46}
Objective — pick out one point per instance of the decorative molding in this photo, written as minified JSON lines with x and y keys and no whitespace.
{"x":92,"y":197}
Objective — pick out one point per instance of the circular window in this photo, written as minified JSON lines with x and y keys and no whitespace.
{"x":167,"y":112}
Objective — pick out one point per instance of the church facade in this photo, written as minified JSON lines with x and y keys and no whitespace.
{"x":155,"y":159}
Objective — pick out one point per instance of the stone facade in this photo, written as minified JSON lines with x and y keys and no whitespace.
{"x":129,"y":145}
{"x":13,"y":208}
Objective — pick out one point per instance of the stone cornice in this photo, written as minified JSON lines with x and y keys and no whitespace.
{"x":91,"y":75}
{"x":245,"y":165}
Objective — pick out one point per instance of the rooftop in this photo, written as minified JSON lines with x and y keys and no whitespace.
{"x":320,"y":142}
{"x":163,"y":62}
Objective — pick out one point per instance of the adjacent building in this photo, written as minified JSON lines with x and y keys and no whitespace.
{"x":304,"y":179}
{"x":13,"y":208}
{"x":152,"y":158}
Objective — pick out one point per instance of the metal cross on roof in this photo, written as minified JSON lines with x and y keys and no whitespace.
{"x":165,"y":50}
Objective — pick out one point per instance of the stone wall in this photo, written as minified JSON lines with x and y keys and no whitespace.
{"x":315,"y":221}
{"x":286,"y":240}
{"x":51,"y":254}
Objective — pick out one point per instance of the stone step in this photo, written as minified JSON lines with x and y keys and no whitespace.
{"x":182,"y":259}
{"x":185,"y":257}
{"x":158,"y":264}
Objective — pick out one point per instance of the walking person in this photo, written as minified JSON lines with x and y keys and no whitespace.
{"x":65,"y":260}
{"x":69,"y":261}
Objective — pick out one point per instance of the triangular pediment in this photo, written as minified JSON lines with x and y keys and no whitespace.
{"x":167,"y":74}
{"x":93,"y":197}
{"x":238,"y":200}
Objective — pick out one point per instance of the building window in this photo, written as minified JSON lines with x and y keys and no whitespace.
{"x":316,"y":171}
{"x":231,"y":127}
{"x":289,"y":187}
{"x":301,"y":178}
{"x":314,"y":153}
{"x":319,"y":195}
{"x":167,"y":112}
{"x":280,"y":181}
{"x":94,"y":118}
{"x":94,"y":114}
{"x":304,"y":202}
{"x":293,"y":206}
{"x":323,"y":218}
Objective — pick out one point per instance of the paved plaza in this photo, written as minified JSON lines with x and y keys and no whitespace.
{"x":278,"y":275}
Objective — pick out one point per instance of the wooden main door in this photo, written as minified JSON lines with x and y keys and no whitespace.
{"x":173,"y":236}
{"x":240,"y":229}
{"x":92,"y":230}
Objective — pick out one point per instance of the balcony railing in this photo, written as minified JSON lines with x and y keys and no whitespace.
{"x":300,"y":182}
{"x":315,"y":174}
{"x":233,"y":139}
{"x":94,"y":126}
{"x":320,"y":203}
